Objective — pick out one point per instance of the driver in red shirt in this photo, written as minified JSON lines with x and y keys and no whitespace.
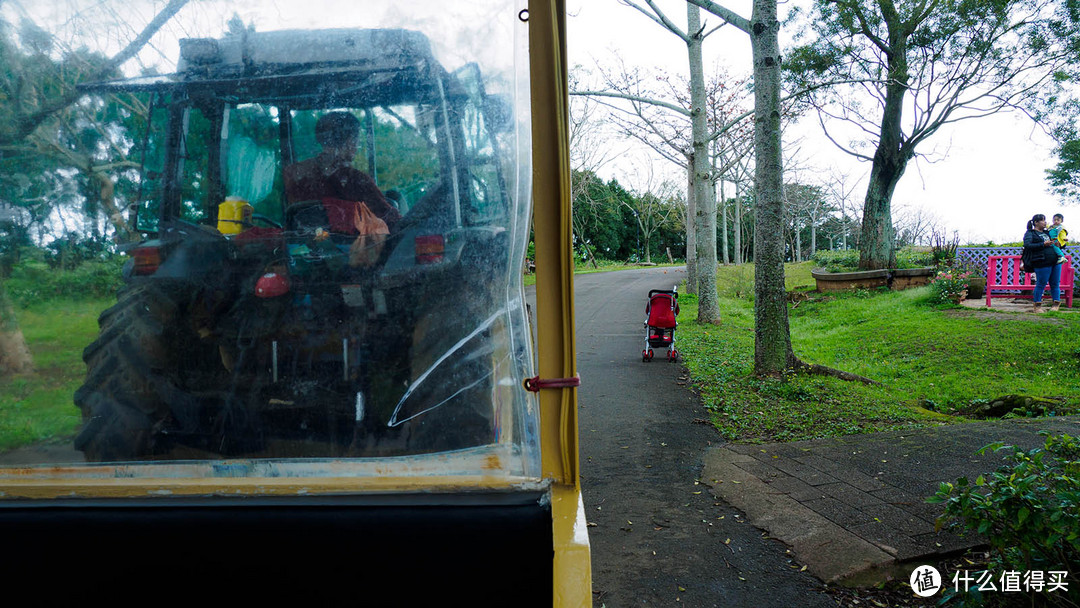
{"x":330,"y":177}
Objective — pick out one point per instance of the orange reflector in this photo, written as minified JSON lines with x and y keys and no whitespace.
{"x":147,"y":260}
{"x":430,"y":248}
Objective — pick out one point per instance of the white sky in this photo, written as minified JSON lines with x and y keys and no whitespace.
{"x":989,"y":183}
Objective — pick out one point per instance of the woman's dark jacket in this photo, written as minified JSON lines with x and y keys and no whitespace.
{"x":1041,"y":256}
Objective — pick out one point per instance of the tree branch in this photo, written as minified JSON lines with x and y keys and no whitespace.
{"x":25,"y":125}
{"x":724,"y":13}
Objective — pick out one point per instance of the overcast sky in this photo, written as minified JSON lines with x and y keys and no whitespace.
{"x":987,"y":178}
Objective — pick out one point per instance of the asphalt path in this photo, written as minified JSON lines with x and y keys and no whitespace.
{"x":657,"y":536}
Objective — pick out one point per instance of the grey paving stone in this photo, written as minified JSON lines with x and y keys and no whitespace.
{"x":851,"y":495}
{"x":795,"y":488}
{"x":838,"y":512}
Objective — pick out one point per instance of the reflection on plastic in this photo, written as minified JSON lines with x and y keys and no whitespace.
{"x":445,"y":356}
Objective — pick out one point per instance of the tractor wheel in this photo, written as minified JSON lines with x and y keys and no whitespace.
{"x":132,"y":376}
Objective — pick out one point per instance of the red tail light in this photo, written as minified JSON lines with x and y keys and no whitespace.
{"x":272,"y":285}
{"x":430,"y":248}
{"x":147,"y":260}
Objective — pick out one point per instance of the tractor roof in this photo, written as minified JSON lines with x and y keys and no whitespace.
{"x":300,"y":68}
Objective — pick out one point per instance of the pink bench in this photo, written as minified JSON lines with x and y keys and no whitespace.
{"x":1003,"y":274}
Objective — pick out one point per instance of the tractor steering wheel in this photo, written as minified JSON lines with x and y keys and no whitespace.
{"x":258,"y":217}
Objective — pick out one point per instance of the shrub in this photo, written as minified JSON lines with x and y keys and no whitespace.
{"x":910,"y":257}
{"x":33,"y":281}
{"x":1026,"y":510}
{"x":847,"y":260}
{"x":837,"y":261}
{"x":949,"y":286}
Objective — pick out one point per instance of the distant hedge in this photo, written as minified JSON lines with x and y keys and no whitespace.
{"x":848,"y":259}
{"x":33,"y":281}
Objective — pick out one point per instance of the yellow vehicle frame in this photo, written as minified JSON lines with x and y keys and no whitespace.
{"x":571,"y":580}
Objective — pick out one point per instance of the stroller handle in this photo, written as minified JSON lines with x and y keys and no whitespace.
{"x":672,"y":292}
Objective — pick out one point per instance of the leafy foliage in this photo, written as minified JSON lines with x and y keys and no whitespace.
{"x":898,"y":72}
{"x":847,"y":260}
{"x":34,"y":281}
{"x":1026,"y":510}
{"x":605,"y":225}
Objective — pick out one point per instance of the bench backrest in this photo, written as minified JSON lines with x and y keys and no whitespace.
{"x":1005,"y":270}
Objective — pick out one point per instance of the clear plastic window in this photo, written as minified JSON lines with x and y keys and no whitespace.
{"x":329,"y":229}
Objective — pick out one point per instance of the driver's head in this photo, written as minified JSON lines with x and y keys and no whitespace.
{"x":338,"y":131}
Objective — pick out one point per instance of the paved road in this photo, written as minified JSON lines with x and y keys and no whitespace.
{"x":660,"y":537}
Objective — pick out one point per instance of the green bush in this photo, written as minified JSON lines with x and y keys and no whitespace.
{"x":909,"y":257}
{"x":34,"y":281}
{"x":848,"y":259}
{"x":1026,"y":509}
{"x":841,"y":260}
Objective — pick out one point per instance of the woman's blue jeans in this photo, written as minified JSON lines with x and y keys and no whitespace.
{"x":1051,"y":274}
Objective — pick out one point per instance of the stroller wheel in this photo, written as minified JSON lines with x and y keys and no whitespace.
{"x":673,"y":355}
{"x":644,"y":356}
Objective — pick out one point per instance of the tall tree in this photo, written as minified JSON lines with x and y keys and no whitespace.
{"x":912,"y":67}
{"x":701,"y":202}
{"x":33,"y":90}
{"x":773,"y":354}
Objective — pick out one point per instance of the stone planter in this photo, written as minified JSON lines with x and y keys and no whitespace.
{"x":906,"y":278}
{"x":901,"y":278}
{"x":843,"y":281}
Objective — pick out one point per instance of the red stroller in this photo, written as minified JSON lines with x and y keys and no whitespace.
{"x":662,"y":308}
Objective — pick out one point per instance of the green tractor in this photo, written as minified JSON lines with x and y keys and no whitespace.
{"x":266,"y":317}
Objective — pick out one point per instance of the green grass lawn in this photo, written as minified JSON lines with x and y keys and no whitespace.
{"x":925,"y":357}
{"x":38,"y":406}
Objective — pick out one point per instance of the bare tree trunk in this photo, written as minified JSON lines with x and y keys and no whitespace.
{"x":691,"y":233}
{"x":15,"y":357}
{"x":708,"y":305}
{"x":796,"y":255}
{"x":723,"y":225}
{"x":772,"y":334}
{"x":737,"y":224}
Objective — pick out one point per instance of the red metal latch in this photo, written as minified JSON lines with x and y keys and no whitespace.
{"x":534,"y":384}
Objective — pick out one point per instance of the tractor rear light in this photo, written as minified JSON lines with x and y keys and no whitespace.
{"x":147,"y":260}
{"x":430,"y":248}
{"x":272,"y":285}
